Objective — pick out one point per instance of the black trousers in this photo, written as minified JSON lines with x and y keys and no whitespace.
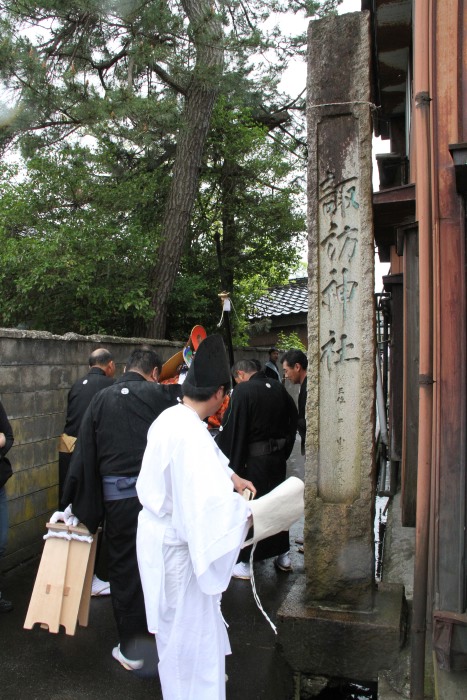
{"x":121,"y":522}
{"x":266,"y":472}
{"x":64,"y":459}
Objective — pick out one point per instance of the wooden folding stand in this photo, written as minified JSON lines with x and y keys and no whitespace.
{"x":62,"y":591}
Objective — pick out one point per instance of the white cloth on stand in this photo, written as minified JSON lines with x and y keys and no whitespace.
{"x":278,"y":510}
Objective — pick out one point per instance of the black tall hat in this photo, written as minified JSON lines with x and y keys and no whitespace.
{"x":210,"y":367}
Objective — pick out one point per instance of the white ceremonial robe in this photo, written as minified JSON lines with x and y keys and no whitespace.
{"x":190,"y":531}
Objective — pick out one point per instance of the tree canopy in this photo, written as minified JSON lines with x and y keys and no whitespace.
{"x":160,"y":161}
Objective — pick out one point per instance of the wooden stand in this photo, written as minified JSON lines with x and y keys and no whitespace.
{"x":62,"y":591}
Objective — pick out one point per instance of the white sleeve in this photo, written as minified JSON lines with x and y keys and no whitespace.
{"x":209,"y":515}
{"x":229,"y":471}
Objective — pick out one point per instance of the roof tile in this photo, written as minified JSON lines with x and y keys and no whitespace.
{"x":282,"y":300}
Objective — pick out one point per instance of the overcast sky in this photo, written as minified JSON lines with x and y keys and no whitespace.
{"x":350,"y":6}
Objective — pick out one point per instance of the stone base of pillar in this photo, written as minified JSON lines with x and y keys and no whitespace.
{"x":338,"y":643}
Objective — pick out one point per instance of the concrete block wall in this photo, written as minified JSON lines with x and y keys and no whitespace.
{"x":36,"y":372}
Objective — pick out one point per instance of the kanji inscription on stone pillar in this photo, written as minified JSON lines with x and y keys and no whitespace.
{"x":339,"y":303}
{"x":341,"y":376}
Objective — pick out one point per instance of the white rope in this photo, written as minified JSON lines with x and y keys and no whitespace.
{"x":60,"y":533}
{"x":235,"y":311}
{"x":255,"y":594}
{"x":338,"y":104}
{"x":81,"y":538}
{"x":227,"y":305}
{"x":220,"y":613}
{"x":68,"y":536}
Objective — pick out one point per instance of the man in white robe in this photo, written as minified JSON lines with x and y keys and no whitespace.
{"x":190,"y":531}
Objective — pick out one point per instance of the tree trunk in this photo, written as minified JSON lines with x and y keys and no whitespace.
{"x":207,"y":34}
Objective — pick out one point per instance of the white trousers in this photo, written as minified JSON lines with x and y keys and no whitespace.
{"x":192,"y":639}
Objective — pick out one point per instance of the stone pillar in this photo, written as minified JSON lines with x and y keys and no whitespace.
{"x":341,"y":317}
{"x":333,"y":622}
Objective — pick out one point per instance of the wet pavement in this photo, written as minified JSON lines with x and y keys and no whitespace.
{"x":38,"y":665}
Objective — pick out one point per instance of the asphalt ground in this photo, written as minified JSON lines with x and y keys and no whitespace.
{"x":38,"y":665}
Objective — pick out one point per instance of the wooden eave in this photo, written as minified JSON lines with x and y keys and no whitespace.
{"x":458,"y":153}
{"x":391,"y":29}
{"x":392,"y":208}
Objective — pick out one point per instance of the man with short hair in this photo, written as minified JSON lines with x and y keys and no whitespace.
{"x":294,"y":363}
{"x":270,"y":368}
{"x":101,"y":482}
{"x":257,"y":435}
{"x":190,"y":530}
{"x":100,"y":375}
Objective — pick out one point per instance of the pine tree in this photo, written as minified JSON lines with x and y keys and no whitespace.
{"x":136,"y":83}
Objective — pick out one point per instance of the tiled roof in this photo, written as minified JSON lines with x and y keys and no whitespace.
{"x":283,"y":300}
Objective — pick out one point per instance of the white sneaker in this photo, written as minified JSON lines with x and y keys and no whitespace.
{"x":128,"y":664}
{"x":283,"y":562}
{"x":241,"y":570}
{"x":99,"y":587}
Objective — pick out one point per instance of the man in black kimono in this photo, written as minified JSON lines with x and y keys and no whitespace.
{"x":294,"y":364}
{"x":257,"y":435}
{"x":100,"y":376}
{"x":270,"y":368}
{"x":101,"y":482}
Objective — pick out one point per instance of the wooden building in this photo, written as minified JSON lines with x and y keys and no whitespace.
{"x":420,"y":91}
{"x":284,"y":309}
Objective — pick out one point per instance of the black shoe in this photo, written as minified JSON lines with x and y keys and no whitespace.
{"x":5,"y":605}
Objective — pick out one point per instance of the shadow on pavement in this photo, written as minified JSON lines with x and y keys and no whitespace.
{"x":37,"y":665}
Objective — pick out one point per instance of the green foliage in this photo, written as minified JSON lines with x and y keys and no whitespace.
{"x":289,"y":341}
{"x":247,"y":202}
{"x":74,"y":248}
{"x":95,"y":91}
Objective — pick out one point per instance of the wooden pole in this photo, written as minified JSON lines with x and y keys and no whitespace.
{"x":226,"y":306}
